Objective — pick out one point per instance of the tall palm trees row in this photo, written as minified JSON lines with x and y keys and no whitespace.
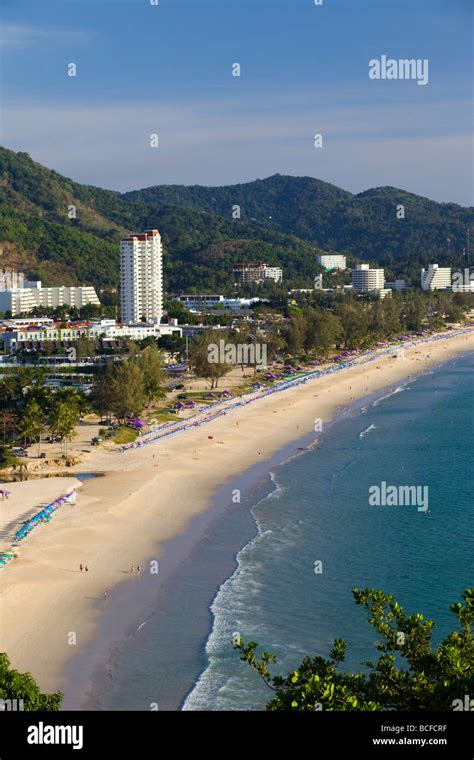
{"x":29,"y":410}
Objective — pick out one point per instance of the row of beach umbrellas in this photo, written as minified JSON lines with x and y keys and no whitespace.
{"x":347,"y":361}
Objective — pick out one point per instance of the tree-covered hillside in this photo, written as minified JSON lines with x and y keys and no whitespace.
{"x":284,"y":221}
{"x":368,"y":225}
{"x":37,"y":234}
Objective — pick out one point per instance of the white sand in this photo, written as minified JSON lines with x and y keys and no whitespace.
{"x":150,"y":495}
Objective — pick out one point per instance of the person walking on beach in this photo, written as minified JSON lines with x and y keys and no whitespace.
{"x":81,"y":567}
{"x":139,"y":569}
{"x":105,"y":594}
{"x":86,"y":569}
{"x":132,"y":569}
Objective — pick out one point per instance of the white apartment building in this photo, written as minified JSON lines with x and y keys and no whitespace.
{"x":141,"y":271}
{"x":436,"y":278}
{"x":332,"y":261}
{"x":25,"y":299}
{"x":365,"y":279}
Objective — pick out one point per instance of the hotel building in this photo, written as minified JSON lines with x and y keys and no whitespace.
{"x":365,"y":279}
{"x":19,"y":296}
{"x":141,"y":271}
{"x":248,"y":272}
{"x":332,"y":261}
{"x":436,"y":278}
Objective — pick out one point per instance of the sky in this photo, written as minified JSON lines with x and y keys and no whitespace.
{"x":167,"y":70}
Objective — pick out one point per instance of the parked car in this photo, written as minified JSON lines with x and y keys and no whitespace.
{"x":18,"y":451}
{"x":179,"y":387}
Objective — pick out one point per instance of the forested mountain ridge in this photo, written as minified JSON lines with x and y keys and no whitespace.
{"x":284,"y":220}
{"x":369,"y":225}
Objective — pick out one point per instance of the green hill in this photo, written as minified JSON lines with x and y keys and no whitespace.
{"x":364,"y":225}
{"x":284,"y":220}
{"x":200,"y":247}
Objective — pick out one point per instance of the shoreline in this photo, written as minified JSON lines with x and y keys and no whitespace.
{"x":91,"y":665}
{"x":117,"y":535}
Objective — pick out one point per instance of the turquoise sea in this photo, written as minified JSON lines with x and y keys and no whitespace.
{"x":253,"y":568}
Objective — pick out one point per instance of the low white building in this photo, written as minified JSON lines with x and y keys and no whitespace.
{"x":436,"y":278}
{"x":108,"y":328}
{"x":20,"y":324}
{"x":196,"y":302}
{"x":25,"y":299}
{"x":22,"y":333}
{"x":28,"y":336}
{"x":332,"y":261}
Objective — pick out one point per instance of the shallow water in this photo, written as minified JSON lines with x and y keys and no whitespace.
{"x":180,"y":649}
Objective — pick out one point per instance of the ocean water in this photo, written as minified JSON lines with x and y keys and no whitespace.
{"x":421,"y":433}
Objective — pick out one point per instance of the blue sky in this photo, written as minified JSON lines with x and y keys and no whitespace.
{"x":167,"y":69}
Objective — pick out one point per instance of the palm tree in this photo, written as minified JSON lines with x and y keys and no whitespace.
{"x":64,"y":418}
{"x":33,"y":424}
{"x":9,"y":388}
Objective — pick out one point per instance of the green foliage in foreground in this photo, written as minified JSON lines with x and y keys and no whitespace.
{"x":408,"y":675}
{"x":22,"y":686}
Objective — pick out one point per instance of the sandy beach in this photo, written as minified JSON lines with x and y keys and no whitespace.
{"x":49,"y":608}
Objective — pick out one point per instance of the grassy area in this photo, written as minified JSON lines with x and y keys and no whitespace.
{"x":199,"y":396}
{"x":124,"y":435}
{"x":8,"y":460}
{"x":165,"y":416}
